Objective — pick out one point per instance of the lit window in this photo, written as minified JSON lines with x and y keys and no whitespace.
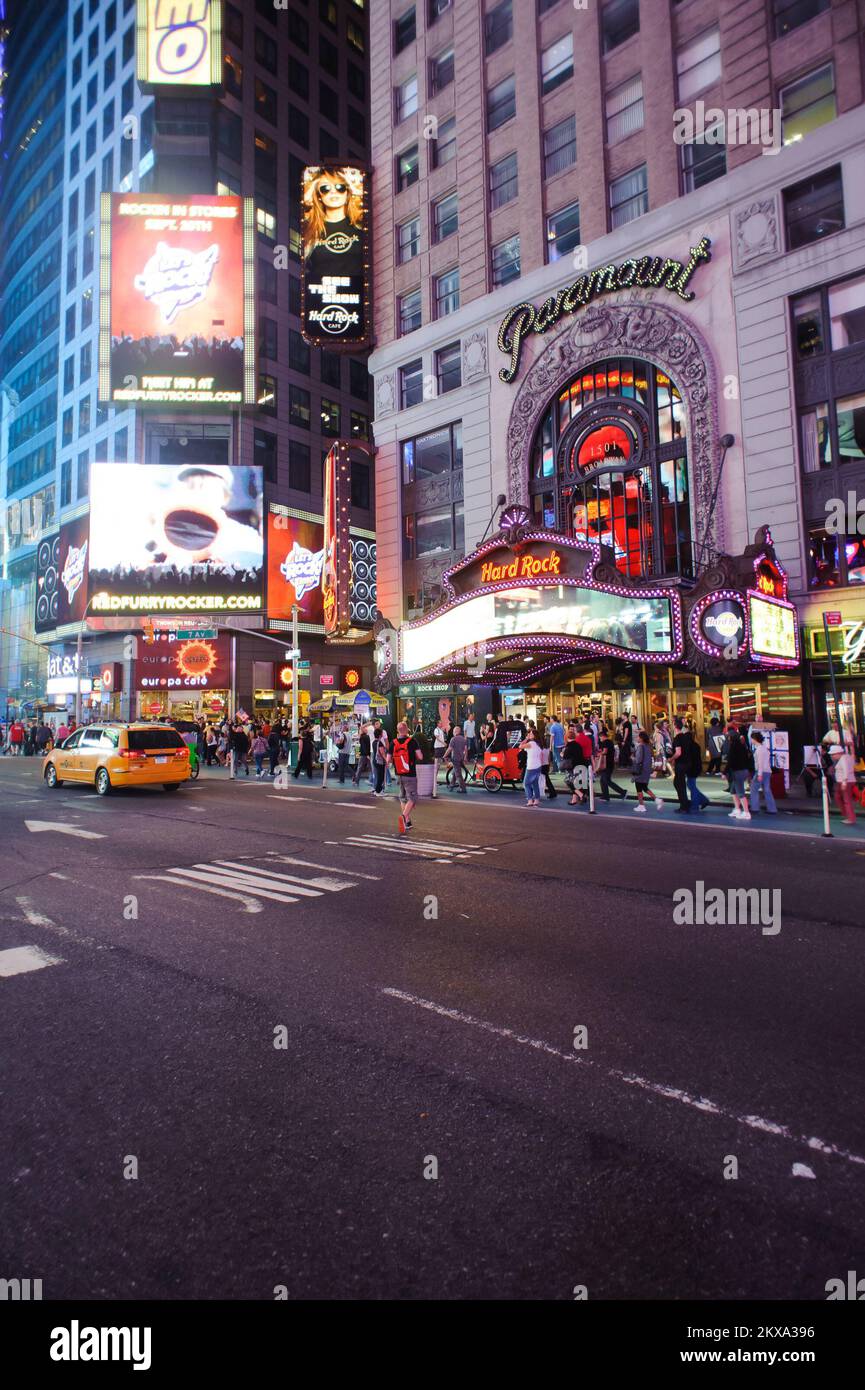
{"x":557,"y":64}
{"x":807,"y":104}
{"x":563,"y":232}
{"x":698,"y":64}
{"x":408,"y":168}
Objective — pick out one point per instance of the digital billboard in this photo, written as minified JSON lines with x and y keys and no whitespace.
{"x":295,"y":560}
{"x":175,"y":538}
{"x":47,"y":583}
{"x":773,"y":630}
{"x":295,"y":555}
{"x":177,"y":663}
{"x":177,"y":300}
{"x":335,"y":278}
{"x":179,"y":43}
{"x":72,"y":561}
{"x":633,"y":625}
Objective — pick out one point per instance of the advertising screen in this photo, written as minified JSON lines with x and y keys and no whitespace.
{"x":335,"y":271}
{"x":177,"y":308}
{"x":175,"y":538}
{"x":179,"y":43}
{"x":47,"y":583}
{"x":634,"y":625}
{"x":773,"y":629}
{"x":72,"y":562}
{"x":295,"y":555}
{"x":176,"y":663}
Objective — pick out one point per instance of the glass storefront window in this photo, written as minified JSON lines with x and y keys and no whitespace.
{"x":816,"y":441}
{"x":433,"y":532}
{"x":432,"y":454}
{"x":847,"y":313}
{"x":850,"y":414}
{"x":854,"y":551}
{"x":808,"y":325}
{"x":823,"y":567}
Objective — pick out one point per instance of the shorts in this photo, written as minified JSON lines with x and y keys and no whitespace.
{"x":408,"y":788}
{"x":641,"y":786}
{"x":738,"y":780}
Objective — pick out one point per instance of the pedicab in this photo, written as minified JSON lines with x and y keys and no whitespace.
{"x":494,"y":769}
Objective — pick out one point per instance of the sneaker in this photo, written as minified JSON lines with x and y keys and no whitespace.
{"x":659,"y":805}
{"x":641,"y":810}
{"x":735,"y":815}
{"x":745,"y":815}
{"x":408,"y":825}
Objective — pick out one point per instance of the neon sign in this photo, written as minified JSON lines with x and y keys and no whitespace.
{"x":522,"y":567}
{"x":180,"y":42}
{"x":302,"y":569}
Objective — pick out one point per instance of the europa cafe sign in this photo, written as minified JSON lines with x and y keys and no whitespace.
{"x":648,"y":272}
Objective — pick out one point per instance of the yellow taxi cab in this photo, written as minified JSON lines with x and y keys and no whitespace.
{"x":120,"y":755}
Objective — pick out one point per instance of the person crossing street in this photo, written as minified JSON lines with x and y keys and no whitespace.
{"x":407,"y":753}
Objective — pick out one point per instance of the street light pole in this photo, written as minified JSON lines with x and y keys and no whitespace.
{"x":294,"y":648}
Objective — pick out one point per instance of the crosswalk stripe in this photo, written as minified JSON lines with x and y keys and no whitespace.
{"x":20,"y":960}
{"x":416,"y":847}
{"x":410,"y":851}
{"x":331,"y":868}
{"x":249,"y":903}
{"x":328,"y":885}
{"x":235,"y":881}
{"x":433,"y":844}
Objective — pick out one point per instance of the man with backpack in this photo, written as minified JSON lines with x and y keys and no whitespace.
{"x":407,"y":754}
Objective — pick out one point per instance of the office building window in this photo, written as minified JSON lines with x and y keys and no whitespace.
{"x":404,"y":31}
{"x":358,"y":379}
{"x":265,"y":159}
{"x":356,"y":81}
{"x":265,"y":220}
{"x":68,"y":427}
{"x":789,"y":14}
{"x":265,"y":102}
{"x":409,"y":306}
{"x":506,"y":261}
{"x":330,"y":417}
{"x":629,"y":197}
{"x":299,"y":469}
{"x":445,"y":144}
{"x":498,"y":26}
{"x":121,"y":444}
{"x":298,"y":77}
{"x":82,"y":480}
{"x":807,"y":104}
{"x":267,"y":338}
{"x":83,"y":416}
{"x":86,"y":308}
{"x":408,"y":168}
{"x":330,"y":368}
{"x":625,"y":110}
{"x":328,"y":102}
{"x":408,"y":240}
{"x":557,"y":64}
{"x":265,"y":50}
{"x":501,"y":103}
{"x":698,"y":64}
{"x":69,"y":375}
{"x":355,"y":36}
{"x":359,"y":425}
{"x":71,"y":268}
{"x":70,"y":323}
{"x":298,"y":352}
{"x":705,"y":159}
{"x":294,"y":295}
{"x":563,"y":232}
{"x":360,"y":490}
{"x":266,"y":399}
{"x":441,"y":72}
{"x":298,"y":126}
{"x":620,"y":20}
{"x":405,"y":99}
{"x":232,"y":75}
{"x":438,"y":7}
{"x":298,"y":406}
{"x":264,"y":454}
{"x":266,"y":280}
{"x":411,"y":384}
{"x":85,"y":362}
{"x":846,"y":313}
{"x":66,"y":482}
{"x":560,"y":147}
{"x":503,"y":181}
{"x":327,"y":12}
{"x":814,"y":208}
{"x":448,"y":368}
{"x":447,"y":293}
{"x":445,"y":217}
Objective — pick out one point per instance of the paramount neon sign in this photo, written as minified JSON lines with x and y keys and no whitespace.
{"x":649,"y":272}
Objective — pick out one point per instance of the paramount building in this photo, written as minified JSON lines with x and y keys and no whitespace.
{"x":652,"y":348}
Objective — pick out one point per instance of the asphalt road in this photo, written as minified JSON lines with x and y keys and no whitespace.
{"x":285,"y":1018}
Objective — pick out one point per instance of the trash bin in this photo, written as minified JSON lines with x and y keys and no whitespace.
{"x":776,"y":782}
{"x":425,"y":778}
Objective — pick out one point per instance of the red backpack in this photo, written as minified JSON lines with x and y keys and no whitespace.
{"x":400,"y":756}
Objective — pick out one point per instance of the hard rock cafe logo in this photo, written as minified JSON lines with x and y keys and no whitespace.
{"x":522,"y":567}
{"x":175,"y":279}
{"x":73,"y":570}
{"x":334,"y":318}
{"x":301,"y":568}
{"x":339,"y":242}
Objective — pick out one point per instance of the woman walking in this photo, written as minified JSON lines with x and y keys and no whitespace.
{"x":573,"y":759}
{"x":643,"y":771}
{"x":738,"y":768}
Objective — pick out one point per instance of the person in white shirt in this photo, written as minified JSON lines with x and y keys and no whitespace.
{"x":762,"y":778}
{"x":440,"y":743}
{"x":532,"y":779}
{"x":845,"y":780}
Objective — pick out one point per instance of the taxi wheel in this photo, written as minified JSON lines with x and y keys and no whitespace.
{"x":171,"y":786}
{"x":493,"y":779}
{"x":51,"y":778}
{"x":103,"y":782}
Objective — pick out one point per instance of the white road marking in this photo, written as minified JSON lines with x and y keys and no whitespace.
{"x":248,"y":881}
{"x":62,"y":828}
{"x":327,"y":885}
{"x":281,"y":796}
{"x":354,"y":805}
{"x":330,"y":868}
{"x":418,"y":849}
{"x":227,"y":880}
{"x":249,"y":904}
{"x":20,"y":960}
{"x":701,"y":1103}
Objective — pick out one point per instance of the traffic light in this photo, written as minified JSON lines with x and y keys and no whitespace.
{"x":148,"y":630}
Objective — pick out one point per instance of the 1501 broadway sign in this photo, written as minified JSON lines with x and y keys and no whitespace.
{"x":177,"y":306}
{"x":648,"y":272}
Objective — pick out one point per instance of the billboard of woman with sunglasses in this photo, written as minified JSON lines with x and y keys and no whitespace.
{"x":335,"y":256}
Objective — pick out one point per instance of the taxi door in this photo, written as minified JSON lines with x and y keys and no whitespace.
{"x":89,"y":753}
{"x":66,"y":758}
